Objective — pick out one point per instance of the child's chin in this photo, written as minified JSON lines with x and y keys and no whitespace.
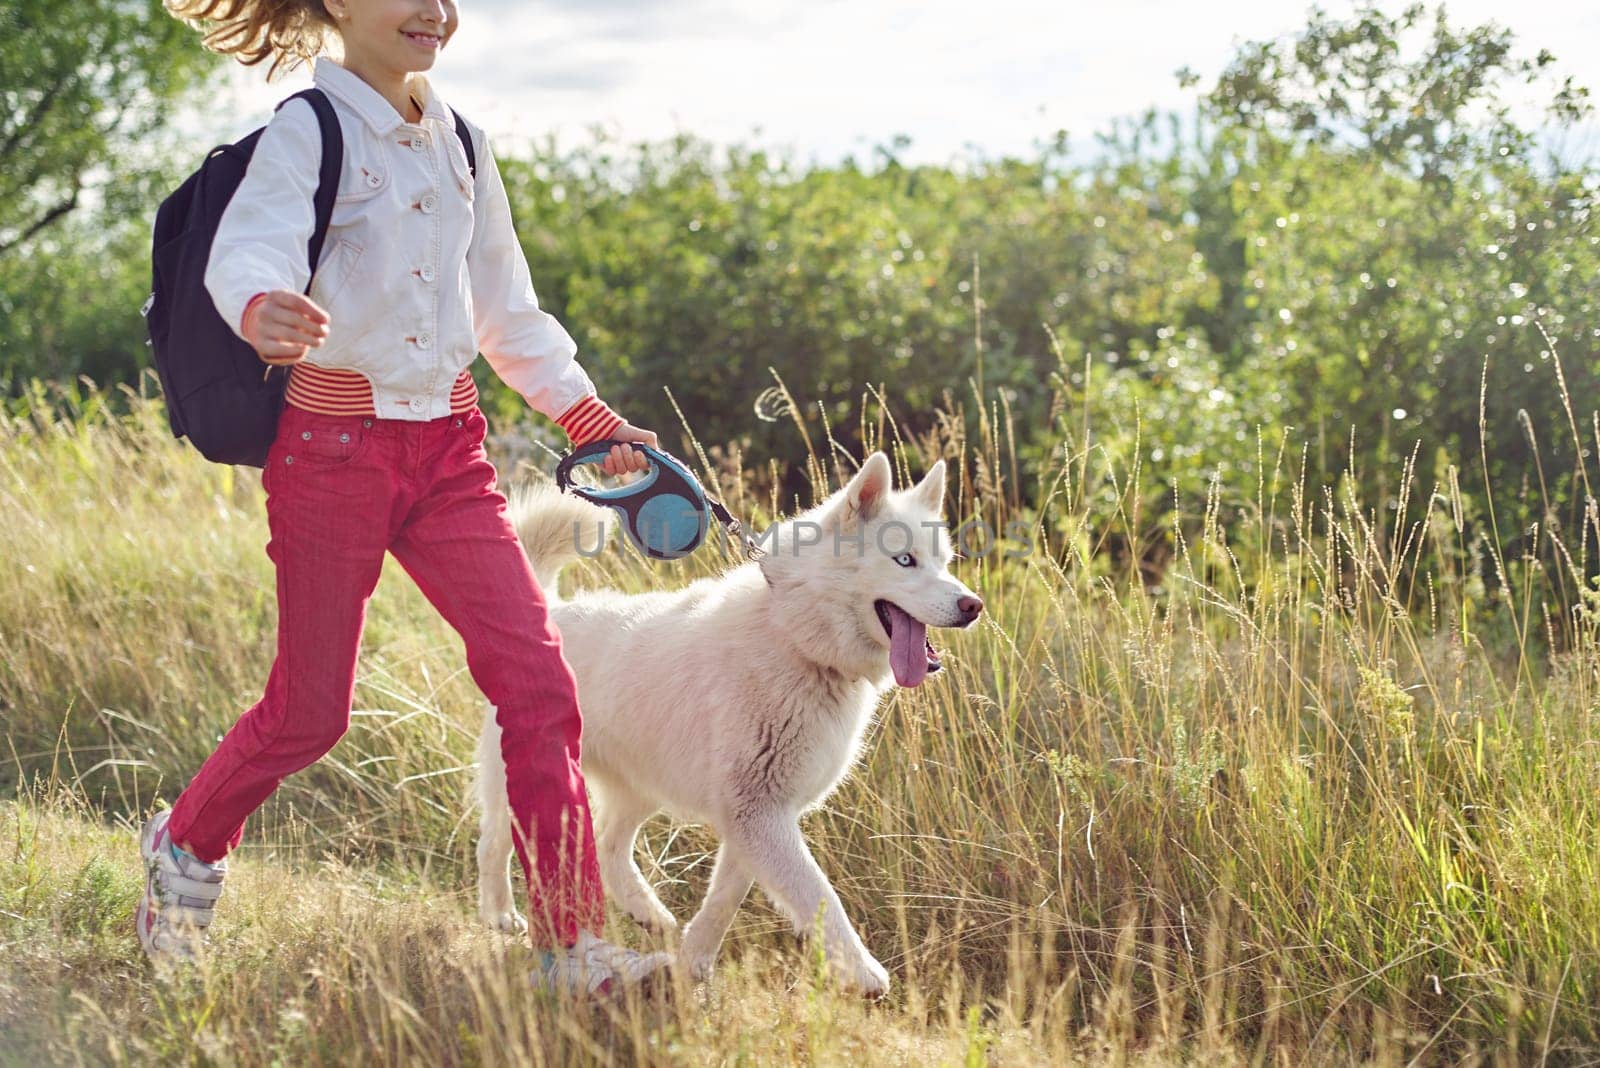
{"x":417,"y":59}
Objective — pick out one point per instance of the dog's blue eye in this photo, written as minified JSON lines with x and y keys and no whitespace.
{"x":906,"y":560}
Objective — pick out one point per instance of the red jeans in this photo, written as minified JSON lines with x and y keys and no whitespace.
{"x":342,"y":490}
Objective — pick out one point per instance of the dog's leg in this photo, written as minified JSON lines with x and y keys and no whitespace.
{"x":618,"y":816}
{"x":769,"y":844}
{"x":495,"y":903}
{"x":730,"y":882}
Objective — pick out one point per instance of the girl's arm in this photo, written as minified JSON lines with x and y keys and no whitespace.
{"x":260,"y":244}
{"x":530,"y":351}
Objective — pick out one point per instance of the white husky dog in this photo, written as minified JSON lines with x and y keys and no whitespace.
{"x":738,"y":701}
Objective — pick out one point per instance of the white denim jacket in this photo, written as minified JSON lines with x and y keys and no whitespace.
{"x":421,"y":268}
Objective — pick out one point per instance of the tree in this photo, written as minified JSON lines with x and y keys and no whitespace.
{"x":1410,"y":253}
{"x":82,"y":86}
{"x":1352,"y":83}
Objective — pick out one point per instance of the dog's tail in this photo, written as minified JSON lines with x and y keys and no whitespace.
{"x":557,"y":528}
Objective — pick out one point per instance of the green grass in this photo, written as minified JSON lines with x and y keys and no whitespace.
{"x":1329,"y":792}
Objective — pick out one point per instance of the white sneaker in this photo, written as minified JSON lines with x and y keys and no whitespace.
{"x":592,"y":967}
{"x":180,"y":895}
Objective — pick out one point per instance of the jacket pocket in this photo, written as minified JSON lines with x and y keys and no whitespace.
{"x":364,"y":177}
{"x":366,"y":174}
{"x":334,"y":272}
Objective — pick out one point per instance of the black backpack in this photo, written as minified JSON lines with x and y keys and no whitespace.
{"x":219,"y":393}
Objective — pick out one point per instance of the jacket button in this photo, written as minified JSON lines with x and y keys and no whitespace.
{"x":418,"y":405}
{"x":429,"y":204}
{"x":374,"y":180}
{"x":428,"y":273}
{"x":424,"y":340}
{"x":418,"y":143}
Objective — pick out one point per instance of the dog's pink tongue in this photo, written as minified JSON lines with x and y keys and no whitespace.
{"x":908,"y":647}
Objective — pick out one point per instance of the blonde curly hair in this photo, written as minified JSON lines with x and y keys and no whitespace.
{"x":289,"y":32}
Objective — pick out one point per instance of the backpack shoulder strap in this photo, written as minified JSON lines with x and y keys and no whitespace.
{"x":332,"y":164}
{"x":466,"y":143}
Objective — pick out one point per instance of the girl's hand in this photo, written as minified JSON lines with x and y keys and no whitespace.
{"x":622,"y":458}
{"x":282,"y":326}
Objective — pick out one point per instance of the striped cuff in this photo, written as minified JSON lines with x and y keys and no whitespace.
{"x":589,"y":420}
{"x":244,"y":316}
{"x":245,"y":332}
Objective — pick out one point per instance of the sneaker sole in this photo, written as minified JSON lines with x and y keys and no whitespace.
{"x":141,"y":916}
{"x":611,"y":991}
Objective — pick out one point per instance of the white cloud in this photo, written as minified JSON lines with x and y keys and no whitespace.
{"x":833,"y":77}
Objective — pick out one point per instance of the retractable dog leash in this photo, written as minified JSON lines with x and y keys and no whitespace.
{"x":665,"y":513}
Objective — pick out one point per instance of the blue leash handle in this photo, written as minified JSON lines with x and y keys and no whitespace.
{"x":665,"y":513}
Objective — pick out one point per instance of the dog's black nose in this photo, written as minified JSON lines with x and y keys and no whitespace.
{"x":970,"y":608}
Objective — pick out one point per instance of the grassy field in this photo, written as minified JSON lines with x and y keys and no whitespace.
{"x":1323,"y":788}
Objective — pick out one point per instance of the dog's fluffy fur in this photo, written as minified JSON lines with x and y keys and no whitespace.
{"x":738,"y":701}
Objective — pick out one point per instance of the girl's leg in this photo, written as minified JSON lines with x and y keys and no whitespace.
{"x":458,"y":544}
{"x":328,"y":513}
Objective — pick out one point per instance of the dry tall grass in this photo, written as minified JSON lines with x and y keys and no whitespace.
{"x":1324,"y":793}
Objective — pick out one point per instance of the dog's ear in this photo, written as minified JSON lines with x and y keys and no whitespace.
{"x":866,"y":492}
{"x":930,"y":491}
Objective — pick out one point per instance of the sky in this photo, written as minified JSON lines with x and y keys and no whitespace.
{"x":827,"y":79}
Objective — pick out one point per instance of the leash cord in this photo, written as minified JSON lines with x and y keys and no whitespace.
{"x":752,"y":551}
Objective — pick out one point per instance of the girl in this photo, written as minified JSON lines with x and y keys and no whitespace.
{"x":380,"y":448}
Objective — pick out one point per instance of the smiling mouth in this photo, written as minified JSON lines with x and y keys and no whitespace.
{"x":911,"y":655}
{"x":426,"y":40}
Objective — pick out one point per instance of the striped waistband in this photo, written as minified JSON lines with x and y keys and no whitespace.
{"x":336,"y":391}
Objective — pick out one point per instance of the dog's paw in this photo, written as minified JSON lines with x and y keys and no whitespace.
{"x":862,"y":973}
{"x":653,"y":916}
{"x":698,"y":965}
{"x":876,"y":982}
{"x":508,"y":922}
